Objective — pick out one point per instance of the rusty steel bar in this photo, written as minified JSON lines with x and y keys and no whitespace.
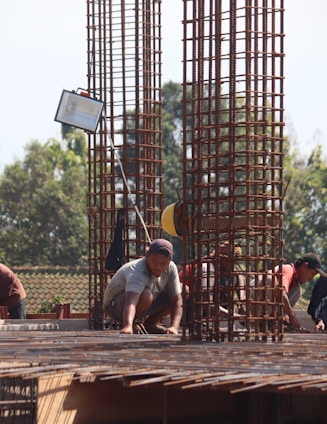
{"x":233,"y":166}
{"x":137,"y":360}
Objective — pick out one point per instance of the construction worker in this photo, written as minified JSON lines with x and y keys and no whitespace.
{"x":318,"y":304}
{"x":12,"y":293}
{"x":208,"y":275}
{"x":147,"y":288}
{"x":293,"y":275}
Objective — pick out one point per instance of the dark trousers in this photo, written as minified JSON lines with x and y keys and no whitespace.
{"x":18,"y":311}
{"x":321,"y":311}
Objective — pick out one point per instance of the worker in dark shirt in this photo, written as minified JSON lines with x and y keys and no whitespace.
{"x":318,"y":304}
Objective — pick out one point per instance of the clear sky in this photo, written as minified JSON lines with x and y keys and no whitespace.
{"x":43,"y":47}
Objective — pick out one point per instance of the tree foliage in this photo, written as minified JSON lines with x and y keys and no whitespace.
{"x":43,"y":203}
{"x":43,"y":197}
{"x":305,"y":203}
{"x":172,"y":141}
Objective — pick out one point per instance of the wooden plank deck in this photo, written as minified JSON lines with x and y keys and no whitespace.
{"x":296,"y":363}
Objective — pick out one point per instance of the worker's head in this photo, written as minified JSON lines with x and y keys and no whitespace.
{"x":159,"y":255}
{"x":225,"y":258}
{"x":307,"y":266}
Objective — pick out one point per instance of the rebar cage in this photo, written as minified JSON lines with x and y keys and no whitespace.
{"x":233,"y":164}
{"x":125,"y":155}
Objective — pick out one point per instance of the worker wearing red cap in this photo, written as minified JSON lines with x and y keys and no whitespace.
{"x":147,"y":288}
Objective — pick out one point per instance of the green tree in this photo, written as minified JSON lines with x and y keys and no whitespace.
{"x":43,"y":197}
{"x":305,"y":205}
{"x":42,"y":204}
{"x":172,"y":141}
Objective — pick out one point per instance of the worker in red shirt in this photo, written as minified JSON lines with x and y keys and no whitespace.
{"x":12,"y":293}
{"x":293,"y":275}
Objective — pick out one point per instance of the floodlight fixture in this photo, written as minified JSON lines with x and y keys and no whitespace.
{"x":79,"y":110}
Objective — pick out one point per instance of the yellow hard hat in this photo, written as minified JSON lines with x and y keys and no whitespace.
{"x":171,"y":219}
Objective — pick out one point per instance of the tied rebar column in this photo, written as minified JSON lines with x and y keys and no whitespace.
{"x":233,"y":167}
{"x":125,"y":154}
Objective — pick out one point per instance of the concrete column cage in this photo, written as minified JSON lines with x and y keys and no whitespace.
{"x":125,"y":164}
{"x":233,"y":165}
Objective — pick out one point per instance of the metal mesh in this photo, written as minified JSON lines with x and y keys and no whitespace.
{"x":233,"y":165}
{"x":125,"y":155}
{"x":18,"y":400}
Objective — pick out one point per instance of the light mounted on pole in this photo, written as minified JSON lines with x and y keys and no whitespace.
{"x":79,"y":110}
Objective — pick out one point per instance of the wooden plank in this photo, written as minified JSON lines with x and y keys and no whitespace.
{"x":52,"y":391}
